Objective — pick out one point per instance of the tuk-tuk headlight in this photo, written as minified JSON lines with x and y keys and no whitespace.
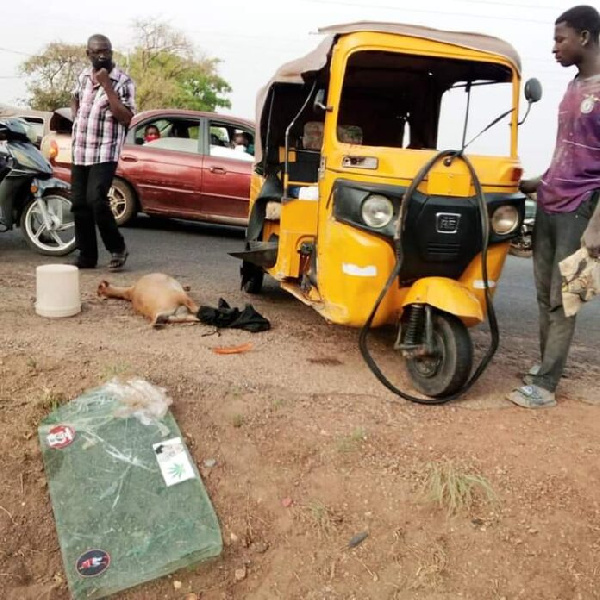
{"x":377,"y":211}
{"x":505,"y":219}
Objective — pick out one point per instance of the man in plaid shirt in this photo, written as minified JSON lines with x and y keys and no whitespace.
{"x":103,"y":105}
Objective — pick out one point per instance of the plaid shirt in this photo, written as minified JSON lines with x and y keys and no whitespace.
{"x":97,"y":135}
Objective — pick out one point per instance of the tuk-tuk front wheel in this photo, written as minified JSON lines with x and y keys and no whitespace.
{"x":252,"y":278}
{"x":447,"y":369}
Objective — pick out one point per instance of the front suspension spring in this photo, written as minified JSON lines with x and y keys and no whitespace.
{"x":415,"y":325}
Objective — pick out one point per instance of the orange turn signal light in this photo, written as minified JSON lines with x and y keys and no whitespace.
{"x":53,"y":153}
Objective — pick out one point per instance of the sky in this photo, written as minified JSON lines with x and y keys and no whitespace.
{"x":254,"y":37}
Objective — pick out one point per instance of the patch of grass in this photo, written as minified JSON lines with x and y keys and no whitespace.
{"x":352,"y":442}
{"x":236,"y":391}
{"x":51,"y":400}
{"x":114,"y":370}
{"x":454,"y":488}
{"x":32,"y":363}
{"x":237,"y":420}
{"x":277,"y":403}
{"x":321,"y":517}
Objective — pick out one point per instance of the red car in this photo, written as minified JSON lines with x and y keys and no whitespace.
{"x":178,"y":163}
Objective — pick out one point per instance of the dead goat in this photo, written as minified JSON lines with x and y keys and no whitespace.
{"x":158,"y":297}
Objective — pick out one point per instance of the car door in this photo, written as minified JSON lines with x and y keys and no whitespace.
{"x":226,"y":174}
{"x":167,"y":171}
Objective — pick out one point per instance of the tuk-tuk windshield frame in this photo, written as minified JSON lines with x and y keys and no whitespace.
{"x":386,"y":93}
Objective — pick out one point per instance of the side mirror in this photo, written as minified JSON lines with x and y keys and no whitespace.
{"x":319,"y":102}
{"x":533,"y":93}
{"x":533,"y":90}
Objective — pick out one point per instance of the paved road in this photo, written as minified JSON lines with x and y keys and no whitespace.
{"x":198,"y":253}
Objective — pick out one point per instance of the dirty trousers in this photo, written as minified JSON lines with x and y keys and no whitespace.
{"x":555,"y":236}
{"x":89,"y":194}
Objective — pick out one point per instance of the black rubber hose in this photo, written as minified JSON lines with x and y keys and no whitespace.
{"x":495,"y":335}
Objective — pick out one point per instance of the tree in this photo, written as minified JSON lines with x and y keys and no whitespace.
{"x":169,"y":72}
{"x":53,"y":74}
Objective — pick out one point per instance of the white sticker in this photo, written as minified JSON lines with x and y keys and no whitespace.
{"x":478,"y":284}
{"x":173,"y":461}
{"x":350,"y":269}
{"x":309,"y":193}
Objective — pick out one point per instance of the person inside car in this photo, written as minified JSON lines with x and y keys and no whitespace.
{"x":241,"y":141}
{"x":151,"y":133}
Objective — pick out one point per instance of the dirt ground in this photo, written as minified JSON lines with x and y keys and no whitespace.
{"x":311,"y":451}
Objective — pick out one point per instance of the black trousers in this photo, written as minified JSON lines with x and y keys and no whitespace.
{"x":555,"y":237}
{"x":89,"y":194}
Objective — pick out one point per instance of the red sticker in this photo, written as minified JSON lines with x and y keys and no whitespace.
{"x":60,"y":436}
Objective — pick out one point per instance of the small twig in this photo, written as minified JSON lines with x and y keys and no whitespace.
{"x":332,"y":571}
{"x":9,"y":515}
{"x":373,"y":575}
{"x":22,"y":485}
{"x":216,"y":331}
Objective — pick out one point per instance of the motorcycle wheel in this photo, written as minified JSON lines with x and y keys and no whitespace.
{"x":521,"y":247}
{"x":59,"y":240}
{"x":448,"y":370}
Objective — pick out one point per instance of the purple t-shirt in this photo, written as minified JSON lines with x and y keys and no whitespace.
{"x":575,"y":168}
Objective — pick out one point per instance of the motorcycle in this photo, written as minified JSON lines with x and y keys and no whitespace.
{"x":522,"y":245}
{"x":31,"y":197}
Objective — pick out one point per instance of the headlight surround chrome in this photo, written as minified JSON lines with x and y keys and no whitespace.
{"x":377,"y":211}
{"x":505,"y":219}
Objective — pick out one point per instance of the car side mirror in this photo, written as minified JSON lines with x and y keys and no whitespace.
{"x":319,"y":102}
{"x":533,"y":90}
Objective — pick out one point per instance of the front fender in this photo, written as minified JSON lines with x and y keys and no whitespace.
{"x":447,"y":295}
{"x":45,"y":185}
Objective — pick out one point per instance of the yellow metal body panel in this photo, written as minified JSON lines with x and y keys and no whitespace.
{"x":448,"y":295}
{"x":298,"y":224}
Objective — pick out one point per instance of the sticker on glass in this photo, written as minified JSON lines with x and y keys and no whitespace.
{"x":60,"y":436}
{"x":173,"y":461}
{"x":93,"y":563}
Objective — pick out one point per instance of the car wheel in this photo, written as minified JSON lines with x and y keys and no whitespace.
{"x":122,"y":202}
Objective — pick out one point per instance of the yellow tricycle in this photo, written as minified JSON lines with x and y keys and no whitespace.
{"x":365,"y":203}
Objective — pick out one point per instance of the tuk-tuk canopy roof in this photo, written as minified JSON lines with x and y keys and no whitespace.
{"x":473,"y":41}
{"x":292,"y":72}
{"x":296,"y":71}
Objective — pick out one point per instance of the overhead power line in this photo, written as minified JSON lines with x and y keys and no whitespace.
{"x":428,"y":11}
{"x":9,"y":50}
{"x":514,"y":4}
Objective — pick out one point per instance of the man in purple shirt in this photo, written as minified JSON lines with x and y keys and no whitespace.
{"x":567,"y":195}
{"x":103,"y":105}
